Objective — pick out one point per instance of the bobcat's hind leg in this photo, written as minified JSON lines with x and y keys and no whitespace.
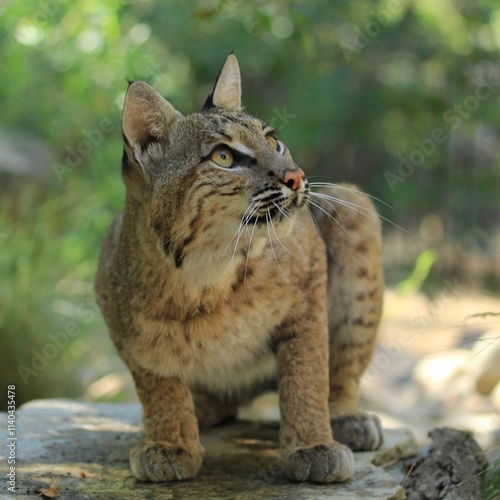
{"x":355,"y":293}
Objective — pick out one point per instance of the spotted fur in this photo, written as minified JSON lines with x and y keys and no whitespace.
{"x":219,"y":283}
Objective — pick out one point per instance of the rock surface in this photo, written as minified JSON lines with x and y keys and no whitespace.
{"x":76,"y":450}
{"x":453,"y":468}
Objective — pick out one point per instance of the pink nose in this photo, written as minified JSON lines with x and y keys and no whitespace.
{"x":292,"y":178}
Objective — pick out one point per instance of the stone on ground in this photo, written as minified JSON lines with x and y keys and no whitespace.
{"x":77,"y":450}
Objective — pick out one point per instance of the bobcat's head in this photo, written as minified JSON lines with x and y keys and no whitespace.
{"x":212,"y":185}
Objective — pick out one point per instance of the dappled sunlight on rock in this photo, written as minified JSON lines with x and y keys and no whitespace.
{"x":82,"y":449}
{"x":107,"y":386}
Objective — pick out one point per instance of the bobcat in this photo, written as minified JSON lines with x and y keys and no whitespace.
{"x":226,"y":276}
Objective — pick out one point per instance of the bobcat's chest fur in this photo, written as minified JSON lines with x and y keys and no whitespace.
{"x":225,"y":346}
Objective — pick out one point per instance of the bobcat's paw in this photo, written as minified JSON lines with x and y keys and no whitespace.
{"x":322,"y":463}
{"x":361,"y":432}
{"x":158,"y":461}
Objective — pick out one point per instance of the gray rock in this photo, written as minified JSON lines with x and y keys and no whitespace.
{"x":23,"y":154}
{"x":452,"y":469}
{"x":82,"y":450}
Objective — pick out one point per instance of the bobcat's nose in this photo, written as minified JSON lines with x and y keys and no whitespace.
{"x":292,"y":178}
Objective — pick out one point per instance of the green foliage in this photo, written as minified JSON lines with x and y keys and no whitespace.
{"x":492,"y":482}
{"x":423,"y":266}
{"x":357,"y":89}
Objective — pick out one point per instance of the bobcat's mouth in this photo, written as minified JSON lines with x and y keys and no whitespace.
{"x":275,"y":205}
{"x":274,"y":213}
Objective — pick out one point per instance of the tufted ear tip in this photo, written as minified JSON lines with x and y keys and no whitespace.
{"x":227,"y":89}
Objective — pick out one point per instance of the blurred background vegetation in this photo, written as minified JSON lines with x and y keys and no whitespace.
{"x":401,"y":97}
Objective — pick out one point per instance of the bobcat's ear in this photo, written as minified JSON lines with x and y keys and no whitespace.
{"x":147,"y":117}
{"x":227,"y":90}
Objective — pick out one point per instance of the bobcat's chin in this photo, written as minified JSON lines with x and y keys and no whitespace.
{"x":282,"y":227}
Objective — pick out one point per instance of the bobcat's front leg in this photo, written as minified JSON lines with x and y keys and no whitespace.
{"x":309,"y":452}
{"x":171,"y":450}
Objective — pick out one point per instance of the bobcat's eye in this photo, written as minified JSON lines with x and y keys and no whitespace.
{"x":273,"y":143}
{"x":222,"y":157}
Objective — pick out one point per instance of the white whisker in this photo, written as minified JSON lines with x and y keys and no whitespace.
{"x":249,"y":250}
{"x":277,"y":237}
{"x":252,"y":209}
{"x":283,"y":212}
{"x":311,"y":216}
{"x":328,"y":184}
{"x":332,"y":206}
{"x":247,"y":220}
{"x":272,"y":247}
{"x":247,"y":215}
{"x":357,"y":208}
{"x":348,"y":204}
{"x":333,"y":219}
